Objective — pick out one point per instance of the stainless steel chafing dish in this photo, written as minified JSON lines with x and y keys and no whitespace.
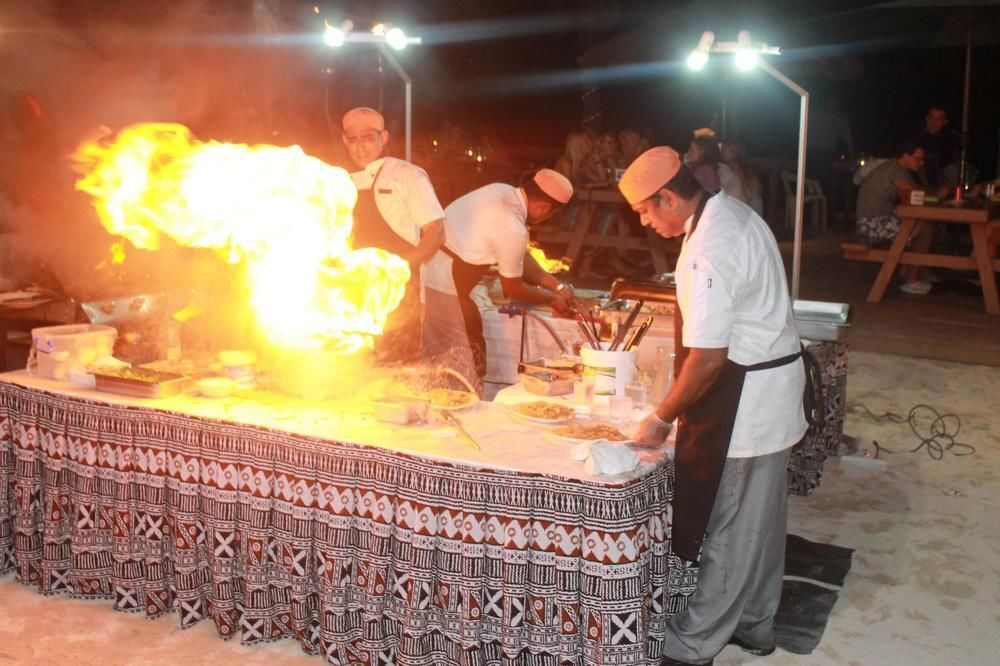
{"x":821,"y":321}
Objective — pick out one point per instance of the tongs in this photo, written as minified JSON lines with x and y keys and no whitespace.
{"x":453,"y":420}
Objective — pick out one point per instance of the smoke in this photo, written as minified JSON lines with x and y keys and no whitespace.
{"x":226,"y":68}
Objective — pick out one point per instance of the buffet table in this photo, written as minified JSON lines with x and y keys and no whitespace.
{"x":278,"y":518}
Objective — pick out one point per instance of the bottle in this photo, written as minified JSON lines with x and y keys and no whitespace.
{"x":664,"y":378}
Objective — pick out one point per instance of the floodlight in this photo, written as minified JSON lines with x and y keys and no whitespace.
{"x":396,"y":38}
{"x":334,"y":36}
{"x":746,"y":59}
{"x":697,"y":59}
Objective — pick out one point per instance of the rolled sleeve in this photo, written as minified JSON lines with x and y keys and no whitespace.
{"x":710,"y":310}
{"x":509,"y":249}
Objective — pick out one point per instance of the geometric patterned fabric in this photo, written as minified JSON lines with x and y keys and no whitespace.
{"x":361,"y":554}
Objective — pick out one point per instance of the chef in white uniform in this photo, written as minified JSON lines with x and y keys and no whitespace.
{"x":485,"y":228}
{"x":397,"y":211}
{"x":738,"y":399}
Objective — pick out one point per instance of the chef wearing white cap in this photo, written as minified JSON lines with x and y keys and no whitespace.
{"x":397,"y":211}
{"x":484,"y":228}
{"x":738,"y":399}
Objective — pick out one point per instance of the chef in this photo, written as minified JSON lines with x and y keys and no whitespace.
{"x":484,"y":228}
{"x":738,"y":400}
{"x":397,"y":211}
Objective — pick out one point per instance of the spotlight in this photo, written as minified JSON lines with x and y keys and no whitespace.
{"x":697,"y":59}
{"x":746,"y":59}
{"x":333,"y":36}
{"x":396,"y":38}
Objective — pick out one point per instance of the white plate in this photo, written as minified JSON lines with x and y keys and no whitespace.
{"x":538,"y":419}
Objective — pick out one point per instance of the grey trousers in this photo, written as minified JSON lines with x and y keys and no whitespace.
{"x":742,"y":563}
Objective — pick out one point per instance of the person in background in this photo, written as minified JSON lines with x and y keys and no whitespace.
{"x":608,"y":155}
{"x":579,"y":161}
{"x":484,"y":228}
{"x":738,"y":399}
{"x":630,"y":142}
{"x":939,"y":143}
{"x":876,"y":209}
{"x":702,"y":158}
{"x":734,"y":159}
{"x":397,"y":211}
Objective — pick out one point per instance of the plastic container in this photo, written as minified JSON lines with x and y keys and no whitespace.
{"x":56,"y":351}
{"x":612,"y":370}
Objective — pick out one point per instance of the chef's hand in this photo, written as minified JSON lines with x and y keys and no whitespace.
{"x":563,"y":306}
{"x":651,"y":431}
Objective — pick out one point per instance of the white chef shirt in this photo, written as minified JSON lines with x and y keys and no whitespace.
{"x":732,"y":292}
{"x":487,"y":227}
{"x":403,"y":195}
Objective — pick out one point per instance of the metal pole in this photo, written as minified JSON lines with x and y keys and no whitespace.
{"x":408,"y":104}
{"x":800,"y":179}
{"x":963,"y":170}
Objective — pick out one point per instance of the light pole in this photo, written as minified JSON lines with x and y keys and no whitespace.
{"x":746,"y":54}
{"x":381,"y":35}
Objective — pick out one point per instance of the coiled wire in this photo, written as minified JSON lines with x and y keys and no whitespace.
{"x":939,"y":437}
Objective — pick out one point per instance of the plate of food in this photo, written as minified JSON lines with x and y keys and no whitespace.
{"x":589,"y":432}
{"x":544,"y":411}
{"x":442,"y":398}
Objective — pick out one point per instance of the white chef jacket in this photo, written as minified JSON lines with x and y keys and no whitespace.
{"x":732,"y":291}
{"x":403,"y":195}
{"x":487,"y":226}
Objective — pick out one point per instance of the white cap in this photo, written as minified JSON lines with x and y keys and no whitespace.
{"x":648,"y":173}
{"x":554,"y":184}
{"x":363,"y":118}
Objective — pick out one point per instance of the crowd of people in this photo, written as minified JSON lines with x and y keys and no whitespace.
{"x":598,"y":159}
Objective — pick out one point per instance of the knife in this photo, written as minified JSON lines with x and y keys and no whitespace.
{"x":453,"y":420}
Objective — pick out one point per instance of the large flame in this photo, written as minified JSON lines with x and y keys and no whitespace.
{"x":280,"y":215}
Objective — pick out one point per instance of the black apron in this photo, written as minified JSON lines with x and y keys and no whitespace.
{"x":401,"y":340}
{"x":705,"y":430}
{"x":466,"y":276}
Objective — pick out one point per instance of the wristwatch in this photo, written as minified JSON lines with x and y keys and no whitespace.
{"x":562,"y":287}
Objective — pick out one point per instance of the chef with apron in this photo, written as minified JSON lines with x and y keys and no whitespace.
{"x":738,"y":402}
{"x":397,"y":211}
{"x":484,"y":228}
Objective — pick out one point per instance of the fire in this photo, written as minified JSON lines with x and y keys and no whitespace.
{"x":279,"y":215}
{"x":548,"y":265}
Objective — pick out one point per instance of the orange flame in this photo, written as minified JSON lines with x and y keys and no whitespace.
{"x":548,"y":265}
{"x":280,"y":215}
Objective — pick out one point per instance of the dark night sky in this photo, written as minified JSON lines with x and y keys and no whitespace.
{"x":510,"y":66}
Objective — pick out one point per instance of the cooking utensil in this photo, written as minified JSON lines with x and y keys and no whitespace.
{"x":113,"y":310}
{"x":453,"y":420}
{"x":623,"y":330}
{"x":640,"y":333}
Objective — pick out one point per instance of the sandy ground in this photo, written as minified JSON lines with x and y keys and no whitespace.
{"x":924,"y":587}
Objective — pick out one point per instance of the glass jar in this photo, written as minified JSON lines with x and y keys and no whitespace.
{"x":664,"y":377}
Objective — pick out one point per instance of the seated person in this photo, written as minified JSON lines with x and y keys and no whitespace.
{"x":876,"y":209}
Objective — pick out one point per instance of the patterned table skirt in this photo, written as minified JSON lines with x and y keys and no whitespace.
{"x":806,"y":466}
{"x":359,"y":554}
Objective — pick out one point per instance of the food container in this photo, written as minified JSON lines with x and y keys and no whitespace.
{"x":821,"y":321}
{"x":401,"y":410}
{"x":548,"y":382}
{"x":216,"y":387}
{"x":140,"y":383}
{"x":56,"y":351}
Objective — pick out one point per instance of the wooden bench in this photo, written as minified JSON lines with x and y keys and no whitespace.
{"x":862,"y":252}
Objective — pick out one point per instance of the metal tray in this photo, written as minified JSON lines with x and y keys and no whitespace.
{"x":821,"y":321}
{"x":165,"y":386}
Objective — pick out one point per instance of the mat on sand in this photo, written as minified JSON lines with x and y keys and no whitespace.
{"x":805,"y":606}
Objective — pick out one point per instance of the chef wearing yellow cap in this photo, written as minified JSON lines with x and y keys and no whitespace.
{"x":484,"y":228}
{"x":738,"y":400}
{"x":397,"y":211}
